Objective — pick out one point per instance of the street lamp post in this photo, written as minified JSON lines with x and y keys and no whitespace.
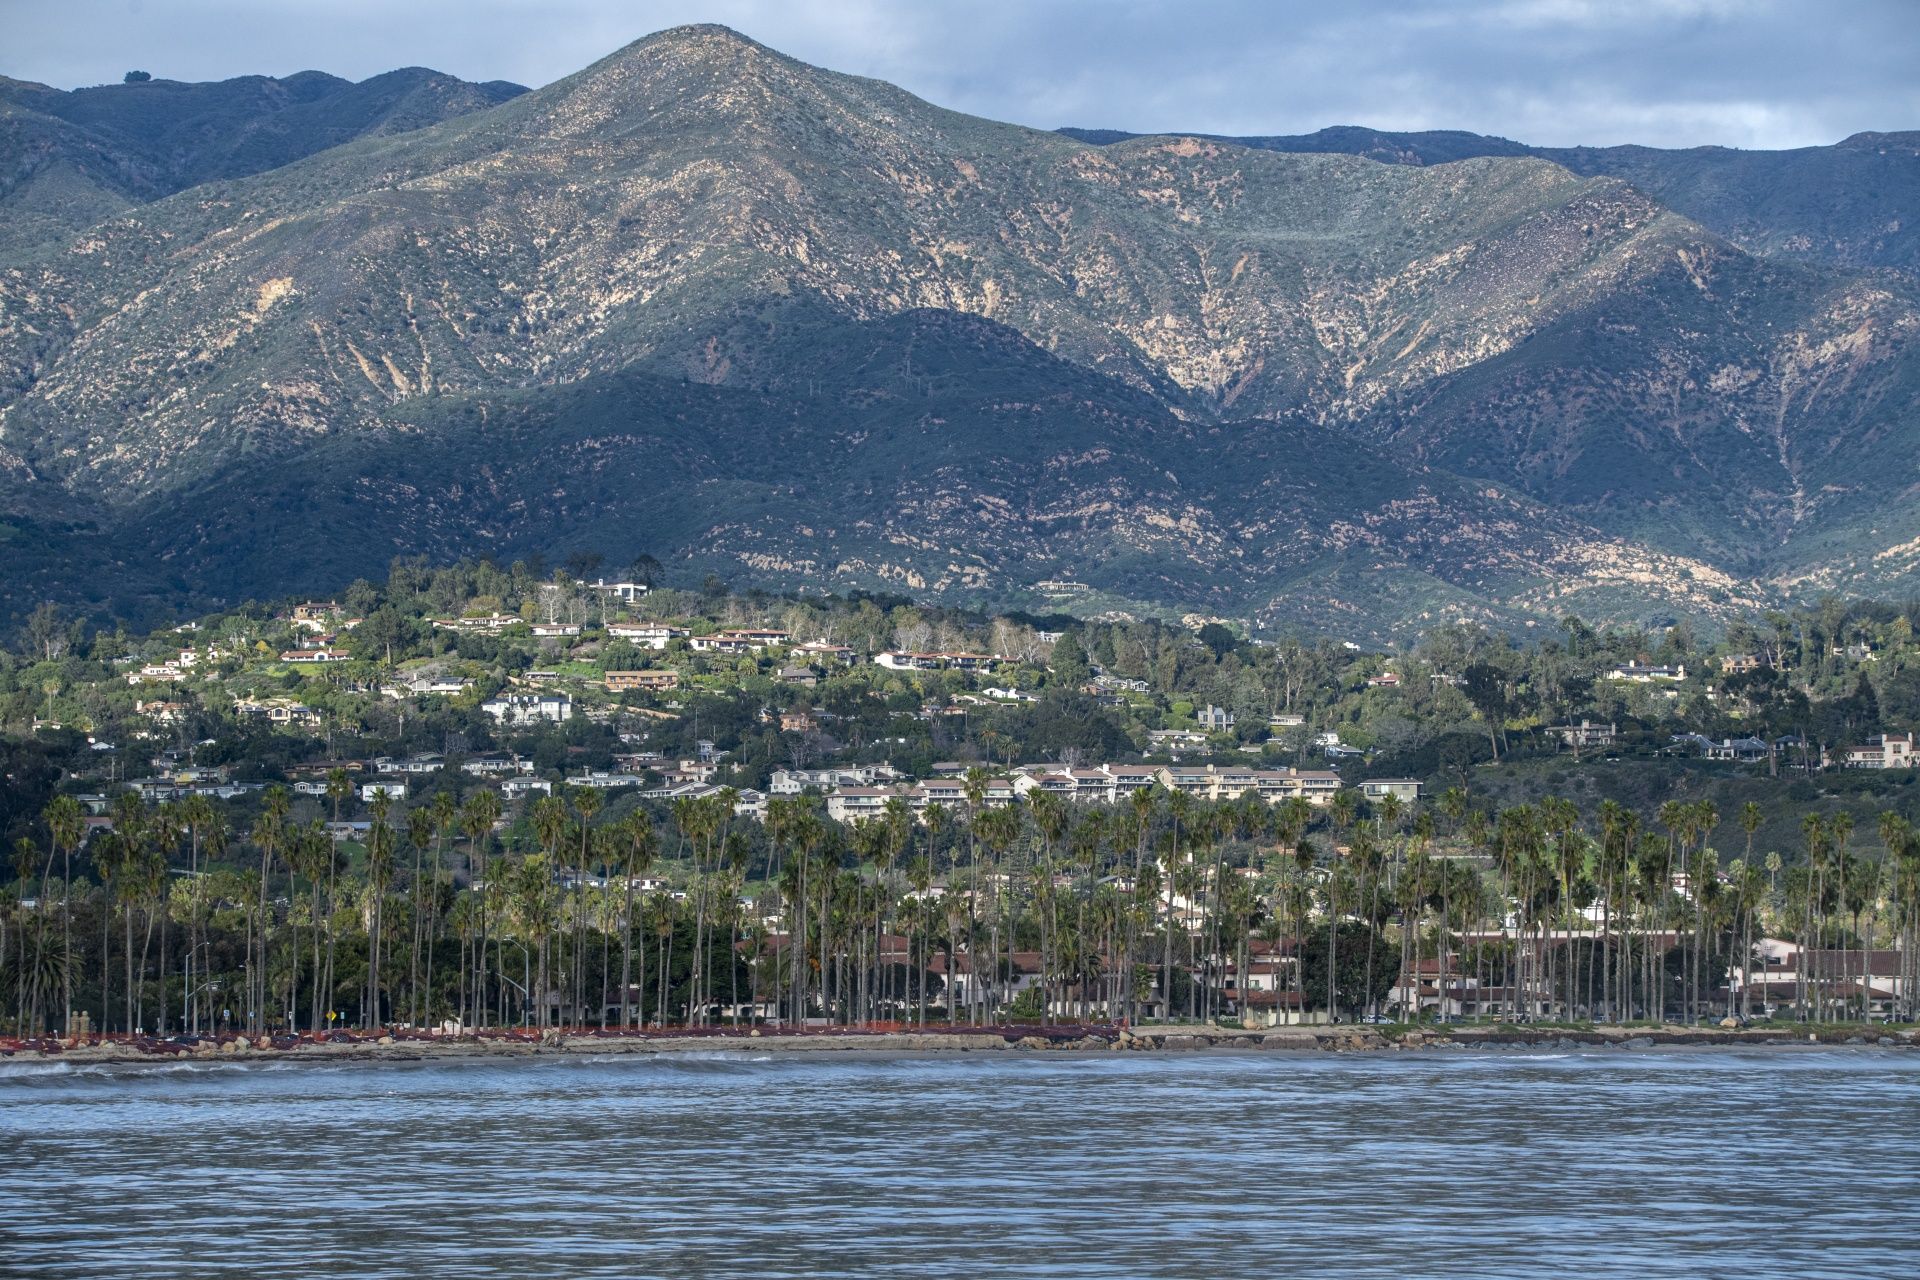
{"x":188,"y":1010}
{"x":526,"y":998}
{"x":210,"y":984}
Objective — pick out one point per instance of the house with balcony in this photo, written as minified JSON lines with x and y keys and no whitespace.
{"x":1214,"y":719}
{"x":529,"y":708}
{"x":1404,"y":790}
{"x":1586,"y":735}
{"x":739,"y":641}
{"x":643,"y":681}
{"x":1887,"y":751}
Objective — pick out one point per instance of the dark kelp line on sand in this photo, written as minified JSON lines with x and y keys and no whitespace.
{"x":346,"y":1046}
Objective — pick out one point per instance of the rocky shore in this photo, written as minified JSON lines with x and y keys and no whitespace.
{"x":991,"y":1039}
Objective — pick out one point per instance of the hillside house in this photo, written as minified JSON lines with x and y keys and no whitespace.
{"x":280,"y":711}
{"x":894,"y":660}
{"x":314,"y":615}
{"x":625,"y":592}
{"x":311,"y":656}
{"x":623,"y":681}
{"x":1636,"y":673}
{"x":1176,"y":741}
{"x":482,"y":622}
{"x":530,"y":708}
{"x":428,"y":686}
{"x":822,"y":651}
{"x":739,"y":641}
{"x":424,"y":762}
{"x":646,"y":635}
{"x":1888,"y":751}
{"x":495,"y":766}
{"x":1586,"y":734}
{"x":791,"y":782}
{"x":602,"y":780}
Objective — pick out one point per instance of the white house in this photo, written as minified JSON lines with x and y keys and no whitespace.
{"x":1635,"y":673}
{"x":529,"y":708}
{"x":623,"y":591}
{"x":1888,"y":751}
{"x":645,"y":635}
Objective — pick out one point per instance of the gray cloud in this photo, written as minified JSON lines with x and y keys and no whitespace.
{"x":1755,"y":73}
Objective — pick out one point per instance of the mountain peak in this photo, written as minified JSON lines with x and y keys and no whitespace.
{"x":699,"y":44}
{"x":702,"y":67}
{"x":692,"y":35}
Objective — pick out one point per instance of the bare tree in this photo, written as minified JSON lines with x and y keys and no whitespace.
{"x":47,"y":633}
{"x":913,"y":636}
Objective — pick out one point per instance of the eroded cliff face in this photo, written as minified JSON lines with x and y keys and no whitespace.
{"x":703,"y":209}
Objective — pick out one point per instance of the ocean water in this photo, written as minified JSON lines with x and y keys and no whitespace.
{"x":1467,"y":1164}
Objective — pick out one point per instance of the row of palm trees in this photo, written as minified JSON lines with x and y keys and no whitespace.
{"x":1165,"y":905}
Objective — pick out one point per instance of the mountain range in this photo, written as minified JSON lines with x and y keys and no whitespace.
{"x":806,"y":330}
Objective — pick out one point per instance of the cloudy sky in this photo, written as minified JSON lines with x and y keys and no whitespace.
{"x":1754,"y":73}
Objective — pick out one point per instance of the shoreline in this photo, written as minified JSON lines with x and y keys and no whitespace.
{"x":1170,"y":1039}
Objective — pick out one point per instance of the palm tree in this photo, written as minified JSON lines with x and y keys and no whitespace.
{"x":445,"y":821}
{"x":477,"y":816}
{"x":550,"y":823}
{"x":997,"y":830}
{"x":146,"y":883}
{"x":420,"y":833}
{"x":66,"y":824}
{"x":1337,"y":894}
{"x":312,"y":855}
{"x":975,"y":788}
{"x":639,"y":845}
{"x":380,"y":843}
{"x":339,"y":787}
{"x":1815,"y":832}
{"x":586,"y":803}
{"x":269,"y":835}
{"x":897,"y":822}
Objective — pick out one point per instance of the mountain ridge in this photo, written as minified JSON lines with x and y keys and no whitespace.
{"x":1776,"y":203}
{"x":69,"y":158}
